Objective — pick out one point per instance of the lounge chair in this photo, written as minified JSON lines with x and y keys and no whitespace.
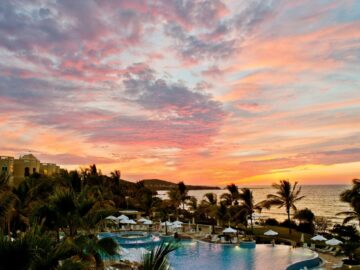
{"x":331,"y":249}
{"x":234,"y":240}
{"x":337,"y":265}
{"x":312,"y":247}
{"x":326,"y":249}
{"x":222,"y":240}
{"x":214,"y":238}
{"x":337,"y":251}
{"x":305,"y":245}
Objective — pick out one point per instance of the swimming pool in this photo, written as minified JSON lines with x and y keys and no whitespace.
{"x":199,"y":255}
{"x":132,"y":238}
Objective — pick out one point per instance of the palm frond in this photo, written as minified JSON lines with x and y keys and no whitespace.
{"x":350,"y":218}
{"x":108,"y":246}
{"x":157,"y":258}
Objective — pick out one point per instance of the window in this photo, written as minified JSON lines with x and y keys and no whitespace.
{"x":4,"y":168}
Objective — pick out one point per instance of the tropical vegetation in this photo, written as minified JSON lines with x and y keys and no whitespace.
{"x":286,"y":196}
{"x":52,"y":222}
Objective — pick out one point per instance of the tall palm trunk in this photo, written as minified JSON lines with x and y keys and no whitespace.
{"x":57,"y":234}
{"x":289,"y":224}
{"x":9,"y":227}
{"x":252,"y":226}
{"x":99,"y":262}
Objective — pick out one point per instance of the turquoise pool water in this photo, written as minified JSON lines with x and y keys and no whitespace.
{"x":198,"y":255}
{"x":132,"y":238}
{"x":205,"y":256}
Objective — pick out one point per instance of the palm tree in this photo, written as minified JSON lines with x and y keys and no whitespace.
{"x":192,"y":204}
{"x":210,"y":205}
{"x":234,"y":191}
{"x":30,"y":194}
{"x":67,"y":209}
{"x":210,"y":198}
{"x":164,"y":210}
{"x":7,"y":203}
{"x":157,"y":258}
{"x":286,"y":196}
{"x":92,"y":249}
{"x":247,"y":204}
{"x":175,"y":199}
{"x":35,"y":250}
{"x":116,"y":175}
{"x":222,"y":213}
{"x":352,"y":196}
{"x":231,"y":198}
{"x":183,"y":191}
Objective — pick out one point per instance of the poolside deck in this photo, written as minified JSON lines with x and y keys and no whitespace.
{"x":330,"y":261}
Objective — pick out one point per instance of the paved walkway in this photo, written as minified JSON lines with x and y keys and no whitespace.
{"x":330,"y":260}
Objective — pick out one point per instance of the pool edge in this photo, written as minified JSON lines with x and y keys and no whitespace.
{"x":309,"y":263}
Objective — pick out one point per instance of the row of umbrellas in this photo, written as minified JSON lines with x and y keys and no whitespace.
{"x":176,"y":224}
{"x":125,"y":220}
{"x":119,"y":218}
{"x":331,"y":242}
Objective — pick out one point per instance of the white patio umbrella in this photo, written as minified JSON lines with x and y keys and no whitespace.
{"x":148,"y":222}
{"x":142,"y":220}
{"x":131,"y":221}
{"x":123,"y":217}
{"x":178,"y":222}
{"x":124,"y":221}
{"x":229,"y":230}
{"x":166,"y":223}
{"x":111,"y":218}
{"x":176,"y":226}
{"x":271,"y":233}
{"x":318,"y":238}
{"x":333,"y":242}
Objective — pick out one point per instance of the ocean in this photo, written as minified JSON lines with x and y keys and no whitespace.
{"x":322,"y":200}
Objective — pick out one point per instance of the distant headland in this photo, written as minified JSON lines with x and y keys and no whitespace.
{"x":158,"y":184}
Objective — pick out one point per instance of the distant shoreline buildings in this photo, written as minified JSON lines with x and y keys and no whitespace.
{"x":25,"y":166}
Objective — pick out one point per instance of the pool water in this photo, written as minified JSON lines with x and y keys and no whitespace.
{"x":132,"y":239}
{"x":197,"y":255}
{"x":206,"y":256}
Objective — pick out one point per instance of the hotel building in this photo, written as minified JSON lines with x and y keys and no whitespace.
{"x":24,"y":166}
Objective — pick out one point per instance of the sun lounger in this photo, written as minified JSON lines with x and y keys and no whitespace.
{"x":326,"y":249}
{"x":214,"y":238}
{"x":234,"y":240}
{"x":331,"y":249}
{"x":337,"y":265}
{"x":337,"y":251}
{"x":222,"y":240}
{"x":312,"y":247}
{"x":305,"y":245}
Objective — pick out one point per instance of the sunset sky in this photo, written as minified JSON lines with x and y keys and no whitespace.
{"x":208,"y":92}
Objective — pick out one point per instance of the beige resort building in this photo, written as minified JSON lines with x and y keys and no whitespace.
{"x":25,"y":166}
